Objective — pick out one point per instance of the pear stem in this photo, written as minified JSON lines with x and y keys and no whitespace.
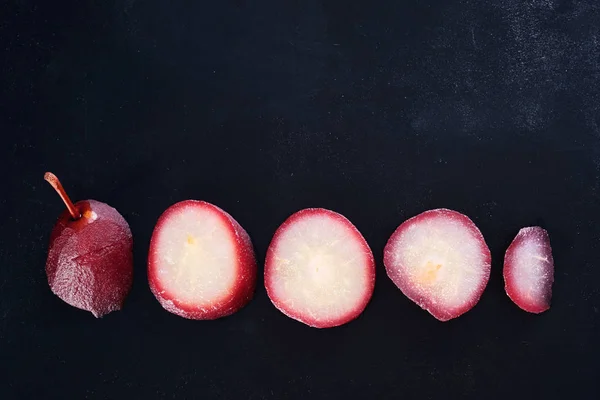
{"x":53,"y":180}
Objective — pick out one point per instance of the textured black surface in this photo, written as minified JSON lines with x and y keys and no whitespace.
{"x":378,"y":111}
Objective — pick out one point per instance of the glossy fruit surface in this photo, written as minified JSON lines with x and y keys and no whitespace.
{"x":90,"y":261}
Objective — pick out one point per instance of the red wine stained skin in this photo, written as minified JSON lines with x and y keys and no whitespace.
{"x":240,"y":293}
{"x":90,"y":260}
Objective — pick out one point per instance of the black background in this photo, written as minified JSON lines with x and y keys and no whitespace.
{"x":377,"y":110}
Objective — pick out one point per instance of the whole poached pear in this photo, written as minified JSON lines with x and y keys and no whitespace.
{"x":90,"y":259}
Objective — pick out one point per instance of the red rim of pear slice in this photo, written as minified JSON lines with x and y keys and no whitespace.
{"x":319,"y":269}
{"x":439,"y":260}
{"x":529,"y":270}
{"x":201,"y":263}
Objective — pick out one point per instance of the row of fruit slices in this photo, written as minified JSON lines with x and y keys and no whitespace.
{"x":319,"y":269}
